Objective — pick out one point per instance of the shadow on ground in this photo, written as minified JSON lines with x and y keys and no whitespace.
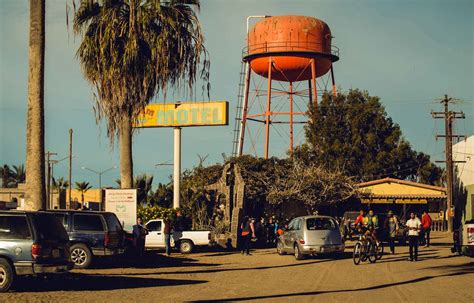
{"x":315,"y":293}
{"x":85,"y":282}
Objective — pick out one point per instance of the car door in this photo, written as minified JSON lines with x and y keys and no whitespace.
{"x":289,"y":234}
{"x":155,"y":237}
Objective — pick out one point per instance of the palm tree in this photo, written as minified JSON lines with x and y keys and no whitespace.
{"x":143,"y":184}
{"x":83,"y":187}
{"x":60,"y":183}
{"x":35,"y":194}
{"x":6,"y":175}
{"x":132,"y":50}
{"x":18,"y":174}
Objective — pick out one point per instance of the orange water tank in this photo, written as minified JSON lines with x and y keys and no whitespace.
{"x":292,"y":42}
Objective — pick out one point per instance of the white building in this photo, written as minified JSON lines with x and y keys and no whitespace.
{"x":464,"y":151}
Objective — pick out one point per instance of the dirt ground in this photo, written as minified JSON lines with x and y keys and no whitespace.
{"x":213,"y":276}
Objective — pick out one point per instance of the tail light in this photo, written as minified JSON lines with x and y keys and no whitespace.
{"x":302,"y":241}
{"x":106,"y":239}
{"x":470,"y":235}
{"x":35,"y":251}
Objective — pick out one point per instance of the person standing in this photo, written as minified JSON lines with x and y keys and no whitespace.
{"x":414,"y":225}
{"x":426,"y":222}
{"x":391,"y":226}
{"x":248,"y":232}
{"x":168,"y":232}
{"x":139,"y":235}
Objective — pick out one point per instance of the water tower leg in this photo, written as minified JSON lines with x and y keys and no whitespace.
{"x":334,"y":91}
{"x":291,"y":117}
{"x":313,"y":79}
{"x":310,"y":93}
{"x":243,"y":122}
{"x":267,"y":113}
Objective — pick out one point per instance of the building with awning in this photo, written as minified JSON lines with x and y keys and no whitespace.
{"x":402,"y":196}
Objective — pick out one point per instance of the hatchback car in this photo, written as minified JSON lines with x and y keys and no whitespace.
{"x":311,"y":235}
{"x":92,"y":234}
{"x":31,"y":243}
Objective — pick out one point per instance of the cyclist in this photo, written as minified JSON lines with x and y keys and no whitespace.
{"x":371,"y":222}
{"x":359,"y":221}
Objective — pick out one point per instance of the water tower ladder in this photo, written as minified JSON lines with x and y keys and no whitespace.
{"x":238,"y":111}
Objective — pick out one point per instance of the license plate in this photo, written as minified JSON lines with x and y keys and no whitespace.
{"x":56,"y":253}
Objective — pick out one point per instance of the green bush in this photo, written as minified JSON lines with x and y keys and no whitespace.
{"x":149,"y":212}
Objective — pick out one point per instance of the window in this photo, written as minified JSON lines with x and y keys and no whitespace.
{"x":292,"y":225}
{"x":154,"y":226}
{"x":113,"y":223}
{"x":62,"y":218}
{"x":49,"y":227}
{"x":320,"y":224}
{"x":88,"y":222}
{"x":14,"y":227}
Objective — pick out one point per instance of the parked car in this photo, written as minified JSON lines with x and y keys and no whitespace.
{"x":92,"y":234}
{"x":464,"y":239}
{"x":311,"y":235}
{"x":31,"y":243}
{"x":185,"y":241}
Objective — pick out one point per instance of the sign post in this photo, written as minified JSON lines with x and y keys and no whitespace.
{"x":177,"y":167}
{"x":122,"y":202}
{"x":178,"y":115}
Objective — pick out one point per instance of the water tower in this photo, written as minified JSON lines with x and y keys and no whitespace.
{"x":293,"y":55}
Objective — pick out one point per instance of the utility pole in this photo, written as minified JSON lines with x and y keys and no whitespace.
{"x":448,"y":117}
{"x":48,"y":162}
{"x":68,"y":206}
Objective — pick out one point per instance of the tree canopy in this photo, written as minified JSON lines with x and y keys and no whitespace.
{"x":353,"y":133}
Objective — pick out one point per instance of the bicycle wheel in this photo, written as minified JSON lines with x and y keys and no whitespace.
{"x":357,"y":253}
{"x":379,"y":250}
{"x":364,"y":251}
{"x":372,"y":253}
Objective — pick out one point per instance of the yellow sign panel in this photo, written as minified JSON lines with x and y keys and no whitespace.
{"x":377,"y":201}
{"x":184,"y":114}
{"x":411,"y":201}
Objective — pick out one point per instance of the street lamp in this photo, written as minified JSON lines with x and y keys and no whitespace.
{"x":51,"y":164}
{"x":100,"y":173}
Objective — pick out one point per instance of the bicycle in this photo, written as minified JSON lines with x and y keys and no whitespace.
{"x":366,"y":249}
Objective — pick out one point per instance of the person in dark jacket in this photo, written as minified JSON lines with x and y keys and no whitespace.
{"x":248,"y":232}
{"x":139,"y":235}
{"x":391,"y":226}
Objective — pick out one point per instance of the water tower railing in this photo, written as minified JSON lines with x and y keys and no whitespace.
{"x":289,"y":46}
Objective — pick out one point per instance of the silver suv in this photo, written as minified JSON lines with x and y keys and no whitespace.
{"x":31,"y":243}
{"x":311,"y":235}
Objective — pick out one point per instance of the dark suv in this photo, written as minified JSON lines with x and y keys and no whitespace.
{"x":31,"y":243}
{"x":92,"y":233}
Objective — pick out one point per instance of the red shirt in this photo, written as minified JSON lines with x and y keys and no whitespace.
{"x":359,"y":219}
{"x":426,"y":221}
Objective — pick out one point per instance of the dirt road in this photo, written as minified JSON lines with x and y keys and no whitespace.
{"x":264,"y":277}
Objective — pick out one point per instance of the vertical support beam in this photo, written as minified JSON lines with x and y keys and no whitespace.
{"x":310,"y":92}
{"x":48,"y":183}
{"x":68,"y":206}
{"x":267,"y":113}
{"x":243,"y":121}
{"x":177,"y":167}
{"x":291,"y":118}
{"x":313,"y":80}
{"x":448,"y":126}
{"x":334,"y":90}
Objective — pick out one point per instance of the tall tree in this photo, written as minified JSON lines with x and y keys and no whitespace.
{"x":352,"y":132}
{"x":35,"y":195}
{"x":83,"y":187}
{"x":60,"y":183}
{"x":131,"y":51}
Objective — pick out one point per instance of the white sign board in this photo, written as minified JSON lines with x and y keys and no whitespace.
{"x":122,"y":202}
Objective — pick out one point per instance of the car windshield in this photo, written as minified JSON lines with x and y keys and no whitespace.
{"x":320,"y":224}
{"x":49,"y":227}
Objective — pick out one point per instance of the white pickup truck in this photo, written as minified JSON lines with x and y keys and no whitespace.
{"x":184,"y":240}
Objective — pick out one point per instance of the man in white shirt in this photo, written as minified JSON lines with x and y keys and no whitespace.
{"x":414,"y":226}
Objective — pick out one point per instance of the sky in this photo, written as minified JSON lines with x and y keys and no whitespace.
{"x":409,"y":53}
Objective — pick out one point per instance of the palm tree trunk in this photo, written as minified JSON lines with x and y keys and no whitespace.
{"x":35,"y":195}
{"x":126,"y":161}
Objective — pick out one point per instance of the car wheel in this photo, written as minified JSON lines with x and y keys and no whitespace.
{"x":298,"y":254}
{"x":81,"y":256}
{"x":280,"y":249}
{"x":7,"y":275}
{"x":186,"y":247}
